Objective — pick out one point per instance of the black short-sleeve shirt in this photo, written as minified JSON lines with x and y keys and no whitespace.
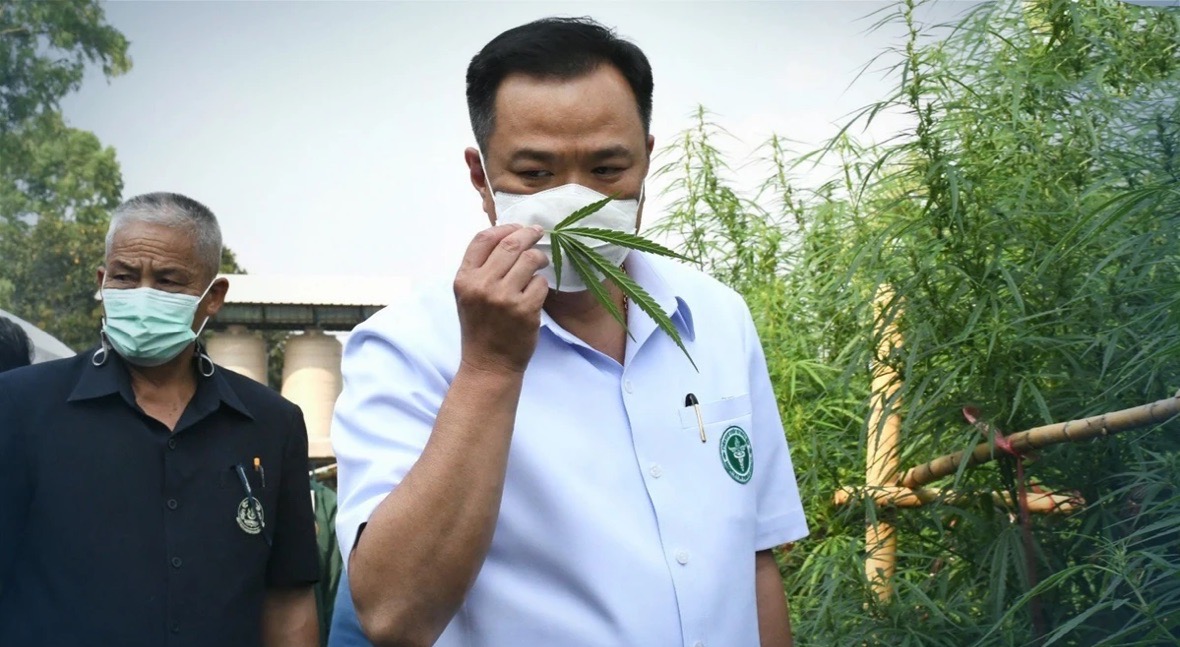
{"x":114,"y":531}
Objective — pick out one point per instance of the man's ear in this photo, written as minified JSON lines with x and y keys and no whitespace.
{"x":100,"y":274}
{"x":479,"y":179}
{"x":215,"y":298}
{"x":651,"y":146}
{"x":475,"y":170}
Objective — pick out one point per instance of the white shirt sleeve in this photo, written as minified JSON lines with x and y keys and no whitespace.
{"x":780,"y":510}
{"x":382,"y":419}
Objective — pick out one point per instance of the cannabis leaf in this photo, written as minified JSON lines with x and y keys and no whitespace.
{"x":567,"y":244}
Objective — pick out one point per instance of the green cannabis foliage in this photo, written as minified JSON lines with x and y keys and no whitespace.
{"x":593,"y":269}
{"x":1027,"y":221}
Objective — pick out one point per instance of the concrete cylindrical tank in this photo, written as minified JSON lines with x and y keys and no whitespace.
{"x":239,"y":350}
{"x":311,"y":379}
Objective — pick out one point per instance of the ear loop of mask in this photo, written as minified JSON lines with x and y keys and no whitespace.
{"x":203,"y":358}
{"x":100,"y":356}
{"x":487,"y":180}
{"x":203,"y":361}
{"x":199,"y":300}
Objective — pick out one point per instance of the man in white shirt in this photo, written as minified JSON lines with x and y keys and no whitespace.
{"x":516,"y":471}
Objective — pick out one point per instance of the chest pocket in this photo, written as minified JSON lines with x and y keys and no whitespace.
{"x":716,"y":412}
{"x":725,"y":462}
{"x":721,"y":469}
{"x":236,"y":512}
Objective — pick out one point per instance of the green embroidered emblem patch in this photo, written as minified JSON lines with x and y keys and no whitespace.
{"x":737,"y":456}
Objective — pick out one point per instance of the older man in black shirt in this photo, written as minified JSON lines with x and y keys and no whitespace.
{"x":147,"y":496}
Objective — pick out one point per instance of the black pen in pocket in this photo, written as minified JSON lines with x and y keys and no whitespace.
{"x":690,"y":400}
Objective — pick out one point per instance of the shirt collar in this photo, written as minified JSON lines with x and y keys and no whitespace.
{"x":644,"y":272}
{"x":112,"y":377}
{"x":227,"y":393}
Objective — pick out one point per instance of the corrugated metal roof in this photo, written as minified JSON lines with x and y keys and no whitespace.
{"x":314,"y":290}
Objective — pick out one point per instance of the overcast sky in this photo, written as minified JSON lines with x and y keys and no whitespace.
{"x":329,"y":136}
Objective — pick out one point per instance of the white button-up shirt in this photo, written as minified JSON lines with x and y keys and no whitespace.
{"x":618,"y":525}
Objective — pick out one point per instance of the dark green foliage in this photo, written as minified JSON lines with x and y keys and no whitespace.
{"x":57,"y":187}
{"x":45,"y":48}
{"x":57,"y":184}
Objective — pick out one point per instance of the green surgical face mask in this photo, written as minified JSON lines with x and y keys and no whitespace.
{"x":149,"y":327}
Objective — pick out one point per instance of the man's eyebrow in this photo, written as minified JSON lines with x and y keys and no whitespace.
{"x":172,"y":270}
{"x":158,"y":269}
{"x":532,"y":155}
{"x":611,"y":152}
{"x":537,"y":155}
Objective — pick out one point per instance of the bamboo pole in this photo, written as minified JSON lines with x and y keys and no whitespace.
{"x":1038,"y":437}
{"x":882,"y":458}
{"x":904,"y":497}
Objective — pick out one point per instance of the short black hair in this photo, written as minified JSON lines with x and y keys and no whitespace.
{"x":15,"y":349}
{"x":561,"y":48}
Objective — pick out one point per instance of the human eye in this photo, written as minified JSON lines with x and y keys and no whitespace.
{"x":608,"y":171}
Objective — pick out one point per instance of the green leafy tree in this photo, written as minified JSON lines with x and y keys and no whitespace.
{"x":55,"y":220}
{"x":57,"y":184}
{"x":45,"y":48}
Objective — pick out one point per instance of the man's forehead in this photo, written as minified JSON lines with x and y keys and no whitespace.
{"x":143,"y":232}
{"x":600,"y":101}
{"x":138,"y":240}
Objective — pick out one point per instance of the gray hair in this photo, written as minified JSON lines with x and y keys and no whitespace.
{"x":173,"y":210}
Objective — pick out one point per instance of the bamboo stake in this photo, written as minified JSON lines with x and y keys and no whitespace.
{"x":1038,"y":437}
{"x":882,"y":456}
{"x":904,"y":497}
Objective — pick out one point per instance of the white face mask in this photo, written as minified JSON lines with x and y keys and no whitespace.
{"x":549,"y":207}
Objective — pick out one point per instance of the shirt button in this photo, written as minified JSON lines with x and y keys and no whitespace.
{"x":176,"y":562}
{"x":172,"y":504}
{"x":627,"y":386}
{"x":175,"y":628}
{"x":656,"y":471}
{"x":682,"y":556}
{"x":171,"y":443}
{"x":698,"y":644}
